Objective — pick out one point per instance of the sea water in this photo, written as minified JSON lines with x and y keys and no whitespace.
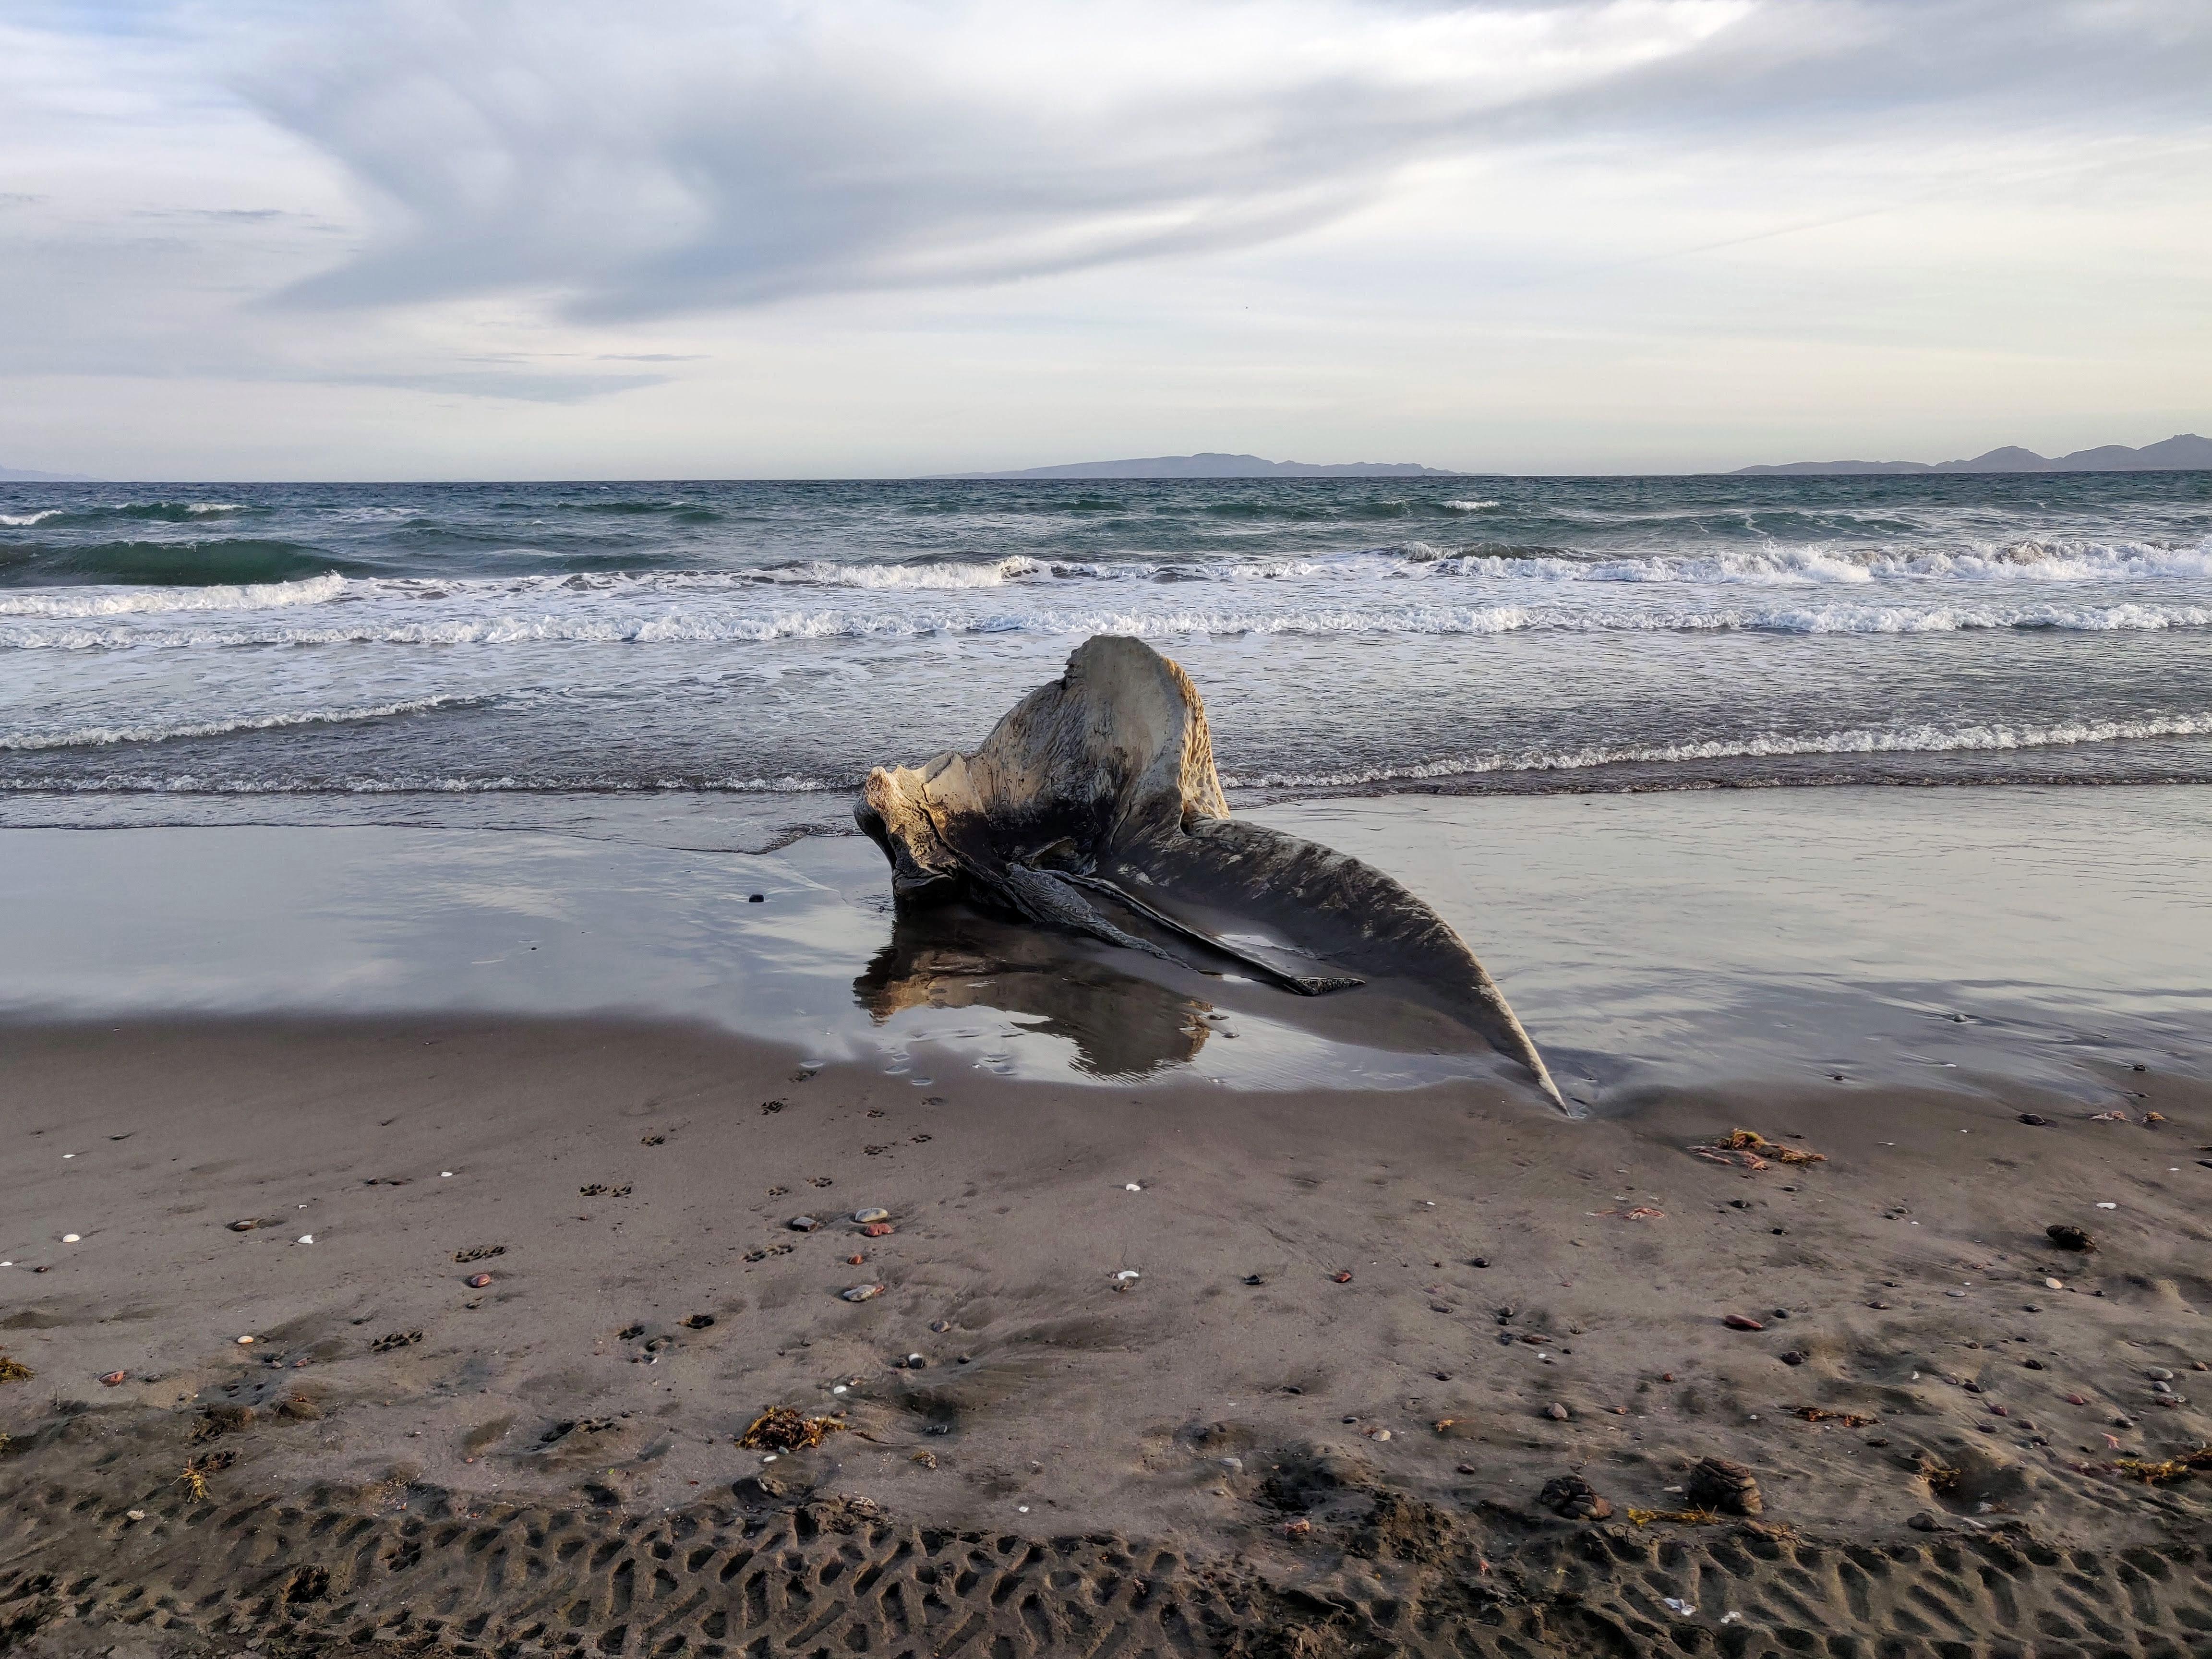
{"x":774,"y":640}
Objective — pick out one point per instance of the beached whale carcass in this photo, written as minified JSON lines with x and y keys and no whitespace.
{"x":1093,"y":806}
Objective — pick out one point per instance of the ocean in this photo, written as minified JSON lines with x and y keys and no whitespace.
{"x":354,"y":651}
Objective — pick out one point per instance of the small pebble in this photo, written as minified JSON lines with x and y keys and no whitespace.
{"x":134,"y":1516}
{"x":864,"y":1216}
{"x":1378,"y":1434}
{"x":245,"y":1341}
{"x":113,"y":1378}
{"x":477,"y":1281}
{"x":877,"y":1229}
{"x":861,"y":1292}
{"x":802,"y":1224}
{"x":70,"y":1238}
{"x":1742,"y":1322}
{"x":244,"y":1226}
{"x":940,"y":1326}
{"x":2054,"y":1283}
{"x":1557,"y":1413}
{"x":2159,"y":1374}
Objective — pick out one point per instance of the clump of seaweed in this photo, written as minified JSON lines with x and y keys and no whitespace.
{"x":1942,"y":1480}
{"x":1686,"y":1517}
{"x":15,"y":1370}
{"x":780,"y":1429}
{"x":2167,"y":1470}
{"x":1750,"y":1140}
{"x":1849,"y":1419}
{"x":197,"y":1470}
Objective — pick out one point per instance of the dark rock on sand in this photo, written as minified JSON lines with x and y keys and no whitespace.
{"x":1719,"y":1483}
{"x":1093,"y":807}
{"x":1573,"y":1498}
{"x":2067,"y":1236}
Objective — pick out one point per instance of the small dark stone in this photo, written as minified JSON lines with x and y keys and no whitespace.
{"x":1795,"y":1356}
{"x":1482,"y":1262}
{"x":1782,"y":1313}
{"x":2067,"y":1236}
{"x":757,"y":898}
{"x":1253,"y":1279}
{"x":2039,"y":1122}
{"x":802,"y":1224}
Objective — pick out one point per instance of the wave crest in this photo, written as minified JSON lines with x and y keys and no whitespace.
{"x":1916,"y":739}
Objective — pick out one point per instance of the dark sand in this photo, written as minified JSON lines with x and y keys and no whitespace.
{"x":1084,"y":1465}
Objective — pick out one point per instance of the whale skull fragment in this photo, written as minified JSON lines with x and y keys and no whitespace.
{"x":1093,"y":806}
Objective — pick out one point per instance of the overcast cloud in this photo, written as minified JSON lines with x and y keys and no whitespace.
{"x":389,"y":236}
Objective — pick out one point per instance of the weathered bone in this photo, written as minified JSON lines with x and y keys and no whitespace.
{"x":1093,"y":806}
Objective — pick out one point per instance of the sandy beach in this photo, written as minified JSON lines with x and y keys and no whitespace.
{"x":1165,"y":1367}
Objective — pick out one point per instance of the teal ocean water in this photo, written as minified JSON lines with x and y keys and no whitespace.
{"x":310,"y":646}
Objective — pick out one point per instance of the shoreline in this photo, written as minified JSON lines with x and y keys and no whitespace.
{"x":1236,"y":1451}
{"x":1980,"y":939}
{"x":1089,"y":1420}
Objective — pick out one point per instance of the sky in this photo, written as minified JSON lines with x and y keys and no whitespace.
{"x":522,"y":239}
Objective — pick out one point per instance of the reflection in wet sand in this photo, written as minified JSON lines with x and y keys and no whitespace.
{"x":950,"y":958}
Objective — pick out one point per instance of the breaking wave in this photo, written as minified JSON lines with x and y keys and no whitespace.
{"x":228,"y":561}
{"x":1917,"y":740}
{"x":677,"y":625}
{"x":92,"y":737}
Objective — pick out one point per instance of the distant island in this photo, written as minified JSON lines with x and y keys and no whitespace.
{"x":2185,"y":453}
{"x":16,"y":475}
{"x":1213,"y":466}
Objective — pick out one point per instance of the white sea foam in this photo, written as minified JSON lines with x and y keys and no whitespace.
{"x":22,"y":518}
{"x":711,"y":623}
{"x":1916,"y":739}
{"x":1469,"y":507}
{"x":81,"y":602}
{"x":99,"y":736}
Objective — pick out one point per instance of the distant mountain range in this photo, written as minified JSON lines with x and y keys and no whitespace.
{"x":1213,"y":466}
{"x":16,"y":475}
{"x":2185,"y":453}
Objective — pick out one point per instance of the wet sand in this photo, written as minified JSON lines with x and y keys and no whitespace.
{"x":1237,"y":1450}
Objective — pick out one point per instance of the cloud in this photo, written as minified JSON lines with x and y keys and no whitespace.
{"x":684,"y":155}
